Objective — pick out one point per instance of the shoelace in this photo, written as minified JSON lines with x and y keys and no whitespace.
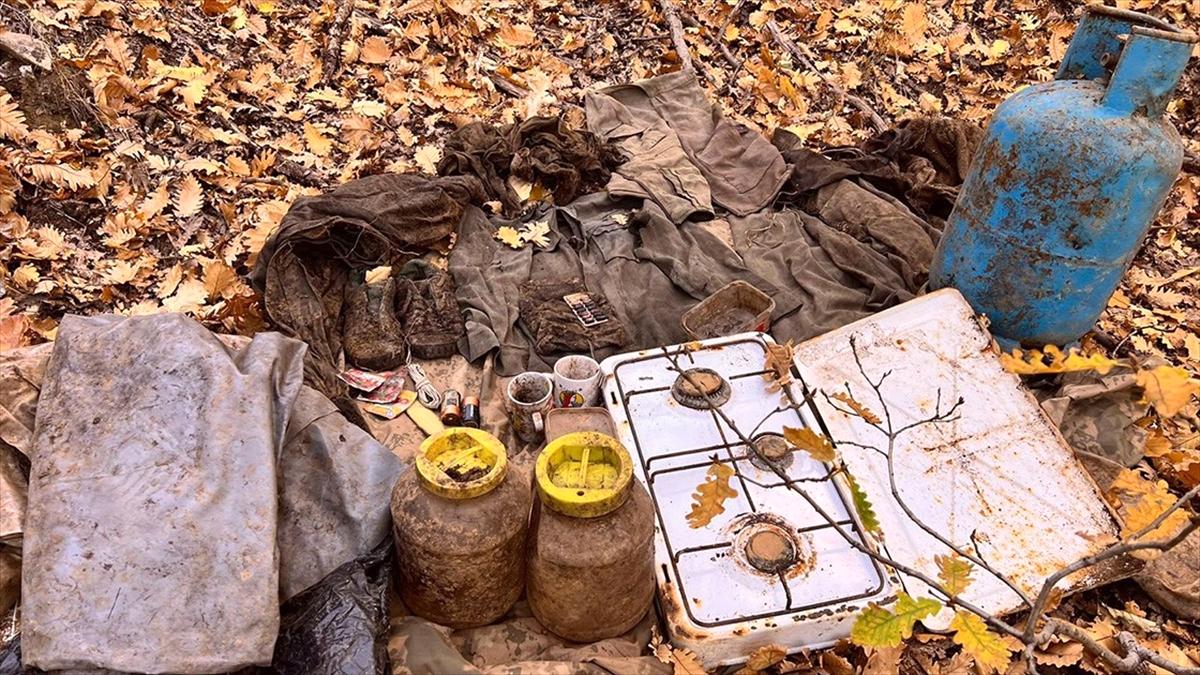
{"x":427,"y":394}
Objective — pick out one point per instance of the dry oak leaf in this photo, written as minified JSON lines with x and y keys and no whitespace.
{"x":682,"y":661}
{"x":12,"y":120}
{"x":427,"y":157}
{"x":375,"y":50}
{"x":61,"y":175}
{"x":46,"y":243}
{"x":858,"y":408}
{"x":218,"y":279}
{"x":779,"y":365}
{"x":120,"y":272}
{"x":509,"y":236}
{"x":537,"y":232}
{"x":189,"y":297}
{"x":816,"y":445}
{"x":189,"y":197}
{"x":12,"y":327}
{"x":764,"y":657}
{"x":1060,"y":652}
{"x":170,"y":281}
{"x":317,"y":141}
{"x":1167,"y":388}
{"x":708,"y":500}
{"x":990,"y":650}
{"x":954,"y":573}
{"x":26,"y":276}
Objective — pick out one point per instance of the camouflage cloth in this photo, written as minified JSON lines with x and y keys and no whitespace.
{"x":516,"y":645}
{"x":1097,"y":415}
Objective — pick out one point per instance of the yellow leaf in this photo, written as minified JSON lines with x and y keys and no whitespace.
{"x":427,"y":157}
{"x":12,"y":120}
{"x":509,"y":236}
{"x":989,"y":649}
{"x":378,"y":274}
{"x":708,"y":500}
{"x":1167,"y":388}
{"x":764,"y":657}
{"x":318,"y":142}
{"x":26,"y":276}
{"x":189,"y":297}
{"x":1145,"y":502}
{"x":218,"y":278}
{"x":375,"y":50}
{"x":816,"y":445}
{"x":189,"y":197}
{"x":858,"y":408}
{"x":881,"y":627}
{"x":954,"y":573}
{"x":1052,"y":360}
{"x":370,"y":108}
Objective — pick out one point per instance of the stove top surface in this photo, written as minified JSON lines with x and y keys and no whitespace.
{"x":772,"y":558}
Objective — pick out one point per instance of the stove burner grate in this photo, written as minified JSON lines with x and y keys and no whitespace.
{"x":696,"y":387}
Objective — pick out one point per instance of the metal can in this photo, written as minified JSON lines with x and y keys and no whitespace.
{"x":451,"y":412}
{"x":470,"y":412}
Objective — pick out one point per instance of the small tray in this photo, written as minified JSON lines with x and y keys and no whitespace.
{"x":737,"y":307}
{"x":562,"y":421}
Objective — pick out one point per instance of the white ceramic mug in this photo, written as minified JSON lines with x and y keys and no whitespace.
{"x":576,"y":382}
{"x":529,"y":399}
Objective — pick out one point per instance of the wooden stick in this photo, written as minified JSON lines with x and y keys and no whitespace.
{"x":676,"y":26}
{"x":333,"y":46}
{"x":876,"y":120}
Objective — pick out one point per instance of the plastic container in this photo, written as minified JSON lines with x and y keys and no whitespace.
{"x":562,"y":421}
{"x":737,"y":307}
{"x":591,"y":550}
{"x":460,"y":520}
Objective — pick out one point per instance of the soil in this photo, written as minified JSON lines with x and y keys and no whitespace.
{"x":54,"y":101}
{"x":531,"y":391}
{"x":467,"y":476}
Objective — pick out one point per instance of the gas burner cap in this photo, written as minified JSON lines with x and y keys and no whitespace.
{"x":694,"y":384}
{"x":769,"y":551}
{"x":767,"y":545}
{"x":771,"y":449}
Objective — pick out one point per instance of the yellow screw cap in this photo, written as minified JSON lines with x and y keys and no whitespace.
{"x":584,"y":474}
{"x":461,"y":463}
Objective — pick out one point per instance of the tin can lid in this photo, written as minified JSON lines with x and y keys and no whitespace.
{"x":461,"y":463}
{"x":584,"y":474}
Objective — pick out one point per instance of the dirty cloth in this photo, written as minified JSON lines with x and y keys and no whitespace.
{"x":650,"y":270}
{"x":1098,"y":414}
{"x":515,"y":645}
{"x":303,"y":268}
{"x":921,"y":162}
{"x":554,"y":326}
{"x":681,"y":153}
{"x":544,"y":151}
{"x":333,"y":478}
{"x":171,"y":448}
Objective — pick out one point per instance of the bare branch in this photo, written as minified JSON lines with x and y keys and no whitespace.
{"x":676,"y":26}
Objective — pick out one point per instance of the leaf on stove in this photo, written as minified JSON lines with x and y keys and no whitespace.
{"x":881,"y":627}
{"x":954,"y":573}
{"x":858,"y":408}
{"x":1053,"y":360}
{"x":762,"y":658}
{"x":989,"y":649}
{"x":779,"y":365}
{"x":816,"y":445}
{"x":866,"y":512}
{"x":708,"y":500}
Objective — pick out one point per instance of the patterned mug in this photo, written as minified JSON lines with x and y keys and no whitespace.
{"x":576,"y":382}
{"x":529,"y":399}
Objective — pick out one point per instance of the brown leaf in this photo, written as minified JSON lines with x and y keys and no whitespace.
{"x":762,"y":658}
{"x":189,"y":197}
{"x":1167,"y":388}
{"x":816,"y":445}
{"x":779,"y":364}
{"x":708,"y":500}
{"x":12,"y":120}
{"x":218,"y":279}
{"x":859,"y":409}
{"x":375,"y":50}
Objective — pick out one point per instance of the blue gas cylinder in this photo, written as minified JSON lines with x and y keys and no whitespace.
{"x":1067,"y":180}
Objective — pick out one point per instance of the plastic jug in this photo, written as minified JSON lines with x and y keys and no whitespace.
{"x":460,"y":521}
{"x":1067,"y":180}
{"x":591,"y":547}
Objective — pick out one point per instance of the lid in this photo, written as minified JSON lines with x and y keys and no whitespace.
{"x":584,"y":474}
{"x":461,"y":463}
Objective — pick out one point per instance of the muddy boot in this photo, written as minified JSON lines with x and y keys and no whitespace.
{"x":374,"y":339}
{"x":431,"y":317}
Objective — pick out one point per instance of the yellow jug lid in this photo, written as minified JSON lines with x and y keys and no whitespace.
{"x":584,"y":474}
{"x":461,"y":463}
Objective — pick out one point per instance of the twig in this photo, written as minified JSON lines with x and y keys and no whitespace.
{"x":876,"y":120}
{"x":1191,"y":162}
{"x":507,"y":87}
{"x":1039,"y":605}
{"x":737,"y":65}
{"x":676,"y":26}
{"x":333,"y":44}
{"x":1135,"y":654}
